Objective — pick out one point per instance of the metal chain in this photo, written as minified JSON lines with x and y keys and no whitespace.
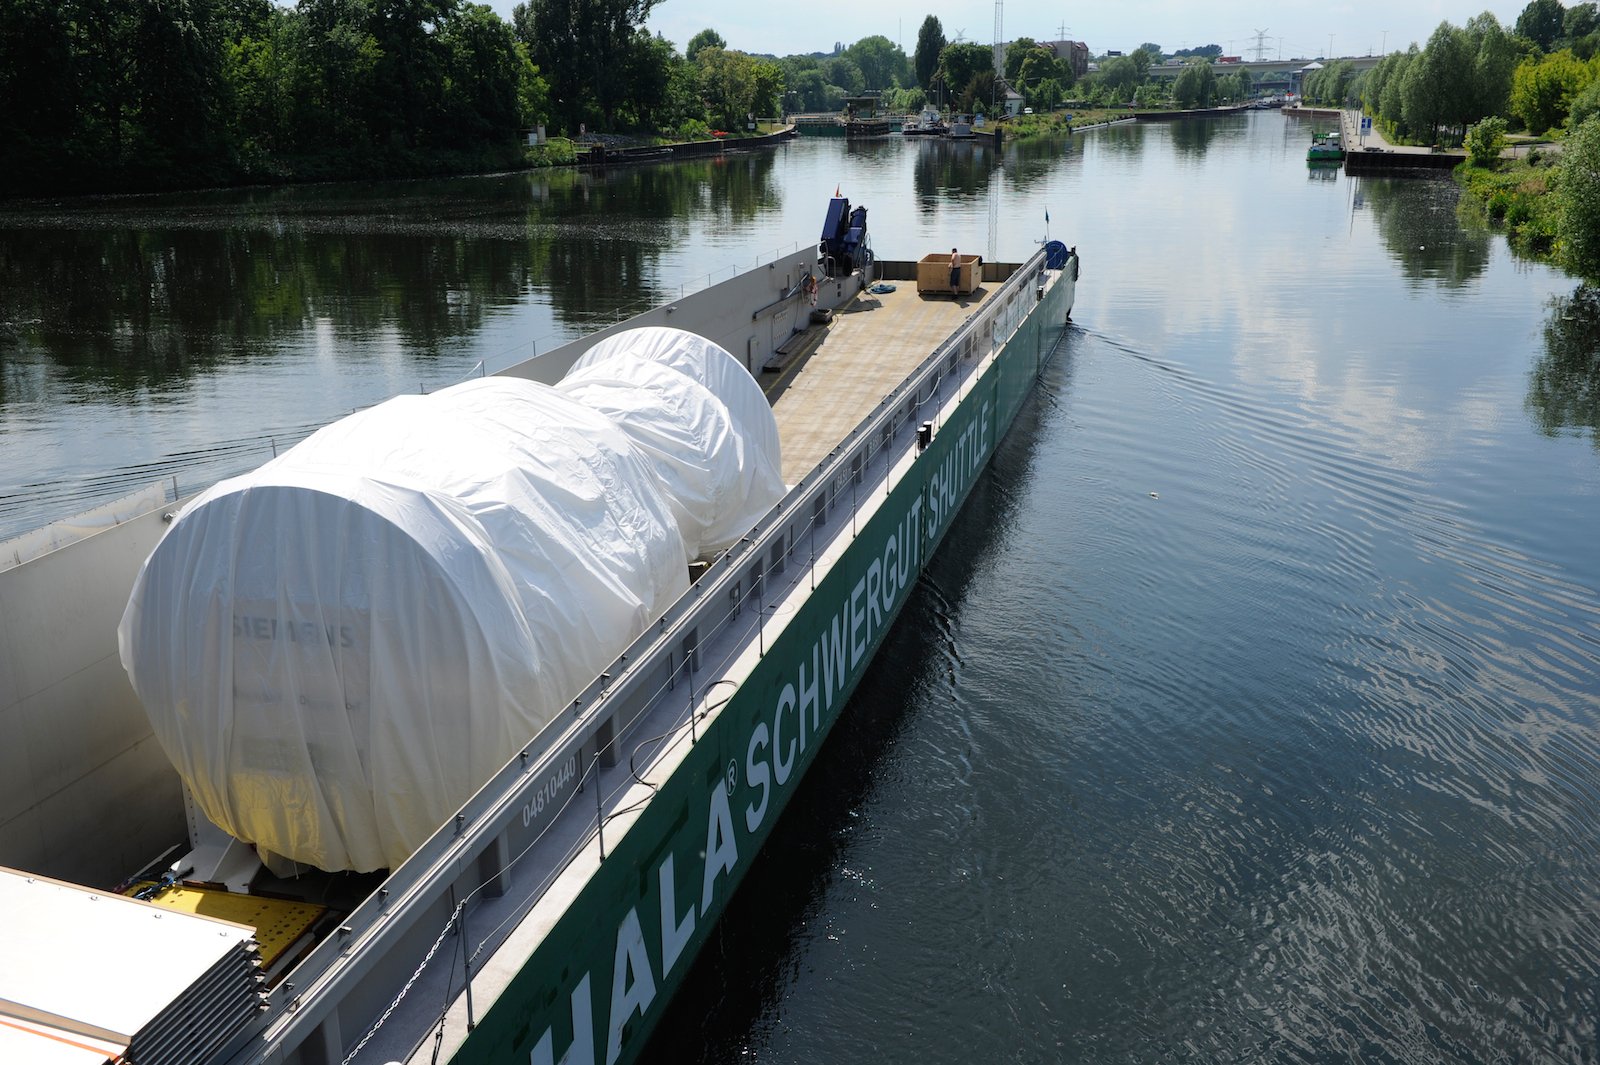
{"x":348,"y":1058}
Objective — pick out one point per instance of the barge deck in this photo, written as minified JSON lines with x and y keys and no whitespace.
{"x":870,"y":346}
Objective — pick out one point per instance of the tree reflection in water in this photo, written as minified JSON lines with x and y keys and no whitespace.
{"x":132,"y":295}
{"x":1420,"y":229}
{"x":952,"y":171}
{"x":1564,"y":386}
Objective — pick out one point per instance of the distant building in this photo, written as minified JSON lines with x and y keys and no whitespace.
{"x":1076,"y":54}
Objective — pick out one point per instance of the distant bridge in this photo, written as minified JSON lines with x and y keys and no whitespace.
{"x":1274,"y":66}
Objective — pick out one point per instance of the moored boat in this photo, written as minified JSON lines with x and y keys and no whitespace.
{"x":927,"y":123}
{"x":553,"y":911}
{"x":1325,"y":148}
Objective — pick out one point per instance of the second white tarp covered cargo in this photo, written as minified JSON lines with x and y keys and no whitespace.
{"x":702,"y":420}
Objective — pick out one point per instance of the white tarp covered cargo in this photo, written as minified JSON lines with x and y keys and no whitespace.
{"x":337,"y":649}
{"x":675,"y":394}
{"x":712,"y":366}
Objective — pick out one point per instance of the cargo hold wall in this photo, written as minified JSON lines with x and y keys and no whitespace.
{"x":86,"y":793}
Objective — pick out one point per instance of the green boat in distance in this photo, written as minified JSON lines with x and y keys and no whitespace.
{"x":1325,"y":148}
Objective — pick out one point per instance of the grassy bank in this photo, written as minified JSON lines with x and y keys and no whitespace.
{"x":1516,"y":197}
{"x":1024,"y":126}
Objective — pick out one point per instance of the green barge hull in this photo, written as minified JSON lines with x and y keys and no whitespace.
{"x":594,"y":989}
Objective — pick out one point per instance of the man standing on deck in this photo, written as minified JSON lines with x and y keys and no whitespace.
{"x":955,"y":270}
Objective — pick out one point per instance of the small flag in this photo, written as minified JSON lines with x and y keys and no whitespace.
{"x":836,"y":192}
{"x":1047,"y":216}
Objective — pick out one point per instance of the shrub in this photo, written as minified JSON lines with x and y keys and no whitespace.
{"x":1485,"y":140}
{"x":1585,"y":104}
{"x":1578,"y":200}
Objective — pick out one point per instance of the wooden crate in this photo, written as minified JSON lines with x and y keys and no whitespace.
{"x":933,"y":274}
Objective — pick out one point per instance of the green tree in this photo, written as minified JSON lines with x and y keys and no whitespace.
{"x":410,"y":74}
{"x":1542,"y":89}
{"x":1437,"y":90}
{"x":1331,"y":84}
{"x":880,"y":61}
{"x":1579,"y":21}
{"x":905,"y":101}
{"x":1196,"y":86}
{"x":805,"y":82}
{"x":843,"y":72}
{"x":1016,"y":51}
{"x":39,"y":95}
{"x":1578,"y":215}
{"x":930,"y":43}
{"x":1453,"y":58}
{"x":335,"y":77}
{"x":1148,"y":96}
{"x":577,"y":45}
{"x":961,"y":62}
{"x":259,"y":70}
{"x":1039,"y":65}
{"x":1391,"y":106}
{"x":1485,"y":140}
{"x":736,"y":85}
{"x":1495,"y":57}
{"x":479,"y":100}
{"x":1541,"y":22}
{"x":682,"y":109}
{"x":981,"y":96}
{"x":1119,"y":76}
{"x":1584,"y":105}
{"x":706,"y":38}
{"x":533,"y":92}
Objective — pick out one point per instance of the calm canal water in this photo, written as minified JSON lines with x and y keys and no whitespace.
{"x":1251,"y":711}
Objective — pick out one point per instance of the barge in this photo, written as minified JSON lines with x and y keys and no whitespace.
{"x":553,"y":914}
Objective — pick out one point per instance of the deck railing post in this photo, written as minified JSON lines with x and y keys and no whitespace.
{"x":688,"y":676}
{"x":466,"y":959}
{"x":813,"y":562}
{"x":599,"y":810}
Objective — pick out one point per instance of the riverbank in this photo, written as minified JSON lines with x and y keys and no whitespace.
{"x":601,"y":155}
{"x":1022,"y":127}
{"x":1515,"y":197}
{"x":397,"y":164}
{"x":155,"y":176}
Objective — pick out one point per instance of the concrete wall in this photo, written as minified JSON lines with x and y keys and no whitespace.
{"x":86,"y":793}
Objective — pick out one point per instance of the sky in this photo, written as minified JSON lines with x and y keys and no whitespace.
{"x":1358,"y":27}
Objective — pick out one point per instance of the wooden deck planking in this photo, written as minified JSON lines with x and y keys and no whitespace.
{"x":868,"y":349}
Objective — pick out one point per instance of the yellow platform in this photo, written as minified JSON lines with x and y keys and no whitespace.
{"x":279,"y":923}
